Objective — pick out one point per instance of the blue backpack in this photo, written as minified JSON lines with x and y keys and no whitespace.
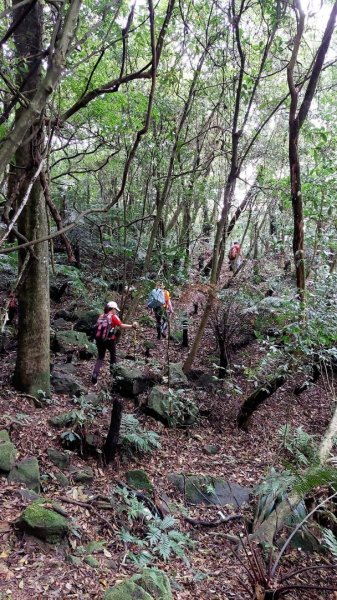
{"x":156,"y":299}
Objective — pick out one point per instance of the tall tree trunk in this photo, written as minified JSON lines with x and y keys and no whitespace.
{"x":32,"y":371}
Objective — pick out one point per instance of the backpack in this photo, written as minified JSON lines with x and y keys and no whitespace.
{"x":103,"y":328}
{"x":156,"y":299}
{"x":234,"y":250}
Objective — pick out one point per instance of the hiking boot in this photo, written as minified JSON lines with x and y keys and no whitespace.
{"x":94,"y":379}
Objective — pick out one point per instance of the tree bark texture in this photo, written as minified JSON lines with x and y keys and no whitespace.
{"x":110,"y":446}
{"x":32,"y":369}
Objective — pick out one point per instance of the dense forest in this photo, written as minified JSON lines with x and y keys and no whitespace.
{"x":168,"y":323}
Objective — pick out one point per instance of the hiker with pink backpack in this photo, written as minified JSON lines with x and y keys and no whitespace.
{"x":107,"y":328}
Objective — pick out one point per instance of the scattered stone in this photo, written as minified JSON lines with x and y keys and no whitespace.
{"x":43,"y":523}
{"x":29,"y":495}
{"x":27,"y":472}
{"x":138,"y":479}
{"x":131,"y":381}
{"x":62,"y":480}
{"x":65,"y":383}
{"x":92,"y":561}
{"x":211,"y":449}
{"x":83,"y":475}
{"x":205,"y":489}
{"x":60,"y":459}
{"x":127,"y":590}
{"x":7,"y":452}
{"x":73,"y":560}
{"x":177,"y":375}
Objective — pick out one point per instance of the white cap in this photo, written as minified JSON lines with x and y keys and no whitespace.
{"x":114,"y":305}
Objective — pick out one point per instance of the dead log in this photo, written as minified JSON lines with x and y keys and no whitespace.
{"x":111,"y":442}
{"x":253,"y":401}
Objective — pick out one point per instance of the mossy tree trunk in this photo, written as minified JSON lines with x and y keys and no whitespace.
{"x":32,"y":371}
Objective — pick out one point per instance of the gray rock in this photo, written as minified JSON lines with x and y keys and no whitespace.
{"x":65,"y":383}
{"x":177,"y":375}
{"x":60,"y":324}
{"x":131,"y":381}
{"x":205,"y":489}
{"x":86,"y":321}
{"x":62,"y":480}
{"x":27,"y":472}
{"x":211,"y":449}
{"x":66,"y":419}
{"x":83,"y":475}
{"x":60,"y":459}
{"x":66,"y":315}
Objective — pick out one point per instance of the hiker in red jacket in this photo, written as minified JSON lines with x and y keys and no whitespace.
{"x":106,"y":330}
{"x":235,"y":257}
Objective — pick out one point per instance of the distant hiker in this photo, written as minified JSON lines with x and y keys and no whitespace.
{"x":168,"y":311}
{"x":106,"y":329}
{"x":235,"y":257}
{"x":157,"y":303}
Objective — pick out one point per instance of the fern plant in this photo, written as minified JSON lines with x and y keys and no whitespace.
{"x":300,"y":444}
{"x":132,"y":434}
{"x":148,"y":537}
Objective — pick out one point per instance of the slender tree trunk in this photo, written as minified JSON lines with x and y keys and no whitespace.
{"x":32,"y":369}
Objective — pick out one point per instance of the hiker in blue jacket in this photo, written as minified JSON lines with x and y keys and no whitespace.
{"x":156,"y":302}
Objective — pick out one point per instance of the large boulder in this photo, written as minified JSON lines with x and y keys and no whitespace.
{"x":205,"y":489}
{"x":171,"y":407}
{"x":131,"y":381}
{"x":151,"y":584}
{"x":64,"y":382}
{"x":67,"y":341}
{"x":7,"y":452}
{"x":86,"y":321}
{"x":43,"y":523}
{"x":26,"y":472}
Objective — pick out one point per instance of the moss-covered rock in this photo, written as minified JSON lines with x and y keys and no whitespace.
{"x":171,"y":408}
{"x":4,"y":437}
{"x":138,"y":479}
{"x":60,"y":459}
{"x":66,"y":419}
{"x":44,"y":523}
{"x":7,"y":452}
{"x":127,"y":590}
{"x":92,"y":561}
{"x":150,"y":584}
{"x":65,"y":341}
{"x":154,"y":582}
{"x":26,"y":472}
